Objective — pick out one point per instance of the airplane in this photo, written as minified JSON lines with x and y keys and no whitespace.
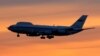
{"x":46,"y":31}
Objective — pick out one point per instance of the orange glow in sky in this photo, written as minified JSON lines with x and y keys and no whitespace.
{"x":55,"y":12}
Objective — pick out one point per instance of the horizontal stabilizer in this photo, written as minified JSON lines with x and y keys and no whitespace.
{"x":89,"y":28}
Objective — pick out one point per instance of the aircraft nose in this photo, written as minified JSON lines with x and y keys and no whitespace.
{"x":10,"y":28}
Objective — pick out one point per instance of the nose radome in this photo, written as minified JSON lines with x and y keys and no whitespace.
{"x":10,"y":27}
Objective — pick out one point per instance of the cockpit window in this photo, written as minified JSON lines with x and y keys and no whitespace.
{"x":24,"y":24}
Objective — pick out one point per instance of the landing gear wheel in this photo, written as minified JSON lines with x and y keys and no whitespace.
{"x":42,"y":37}
{"x":18,"y":35}
{"x":50,"y":36}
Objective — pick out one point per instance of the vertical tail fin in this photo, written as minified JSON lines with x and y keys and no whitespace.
{"x":80,"y":22}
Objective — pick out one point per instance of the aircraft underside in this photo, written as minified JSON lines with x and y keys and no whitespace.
{"x":49,"y":36}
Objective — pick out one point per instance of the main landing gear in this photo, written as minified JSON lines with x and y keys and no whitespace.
{"x":42,"y":37}
{"x":48,"y":36}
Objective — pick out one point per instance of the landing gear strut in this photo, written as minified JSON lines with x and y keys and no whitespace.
{"x":50,"y":36}
{"x":18,"y":35}
{"x":42,"y":37}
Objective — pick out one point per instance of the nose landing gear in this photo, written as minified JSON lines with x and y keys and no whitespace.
{"x":18,"y":35}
